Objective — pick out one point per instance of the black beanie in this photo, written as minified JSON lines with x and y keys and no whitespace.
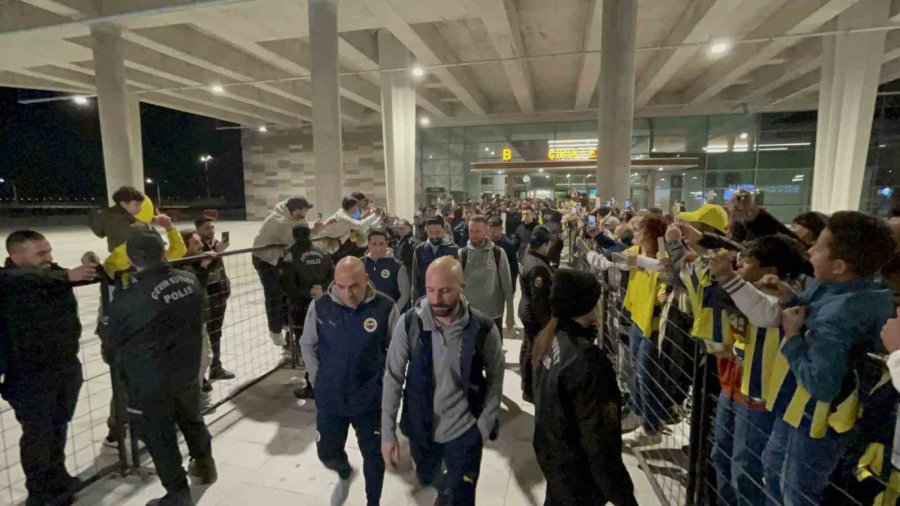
{"x":573,"y":294}
{"x":540,"y":236}
{"x":301,"y":232}
{"x":145,"y":247}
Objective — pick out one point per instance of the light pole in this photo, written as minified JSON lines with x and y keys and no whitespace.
{"x":205,"y":159}
{"x":584,"y":182}
{"x":158,"y":195}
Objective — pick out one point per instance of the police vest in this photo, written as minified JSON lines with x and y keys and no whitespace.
{"x":352,"y":349}
{"x":383,"y":274}
{"x":417,"y":419}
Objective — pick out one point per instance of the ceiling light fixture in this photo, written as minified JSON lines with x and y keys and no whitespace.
{"x":744,"y":135}
{"x":263,"y":129}
{"x":424,"y":121}
{"x":218,"y":88}
{"x":80,"y":100}
{"x":418,"y":71}
{"x":719,"y":48}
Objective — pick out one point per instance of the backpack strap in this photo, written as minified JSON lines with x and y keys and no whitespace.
{"x":412,"y":324}
{"x":463,"y":257}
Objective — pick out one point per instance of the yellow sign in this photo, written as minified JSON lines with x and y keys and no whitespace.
{"x":507,"y":154}
{"x":572,"y":154}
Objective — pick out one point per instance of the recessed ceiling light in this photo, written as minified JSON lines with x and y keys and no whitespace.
{"x":80,"y":100}
{"x":424,"y":121}
{"x":218,"y":88}
{"x":540,"y":170}
{"x":493,"y":153}
{"x":744,"y":135}
{"x":418,"y":71}
{"x":659,"y":169}
{"x":263,"y":129}
{"x":719,"y":48}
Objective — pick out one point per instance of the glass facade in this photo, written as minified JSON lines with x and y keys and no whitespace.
{"x":770,"y":154}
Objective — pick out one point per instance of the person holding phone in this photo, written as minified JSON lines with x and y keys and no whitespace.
{"x":218,"y":289}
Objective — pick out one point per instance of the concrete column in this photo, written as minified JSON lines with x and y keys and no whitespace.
{"x":616,"y":116}
{"x":398,"y":118}
{"x":326,"y":105}
{"x":119,"y":118}
{"x":851,"y":68}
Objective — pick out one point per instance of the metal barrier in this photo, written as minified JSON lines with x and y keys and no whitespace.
{"x":246,"y":350}
{"x":682,"y":382}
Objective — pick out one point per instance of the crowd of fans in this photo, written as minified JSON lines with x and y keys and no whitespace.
{"x":388,"y":313}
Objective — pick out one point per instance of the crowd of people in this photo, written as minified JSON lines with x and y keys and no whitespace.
{"x":389,"y":313}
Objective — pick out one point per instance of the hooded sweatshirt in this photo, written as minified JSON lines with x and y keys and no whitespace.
{"x":277,"y":228}
{"x":488,"y":285}
{"x":452,"y":417}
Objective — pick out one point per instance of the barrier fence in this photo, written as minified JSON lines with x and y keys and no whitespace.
{"x":674,"y":384}
{"x":246,"y":350}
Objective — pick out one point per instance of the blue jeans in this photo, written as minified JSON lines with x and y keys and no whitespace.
{"x":722,"y":449}
{"x":751,"y":433}
{"x":332,"y":437}
{"x":798,"y":467}
{"x":648,"y":399}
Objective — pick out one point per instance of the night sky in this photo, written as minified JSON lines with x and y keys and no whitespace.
{"x":53,"y":150}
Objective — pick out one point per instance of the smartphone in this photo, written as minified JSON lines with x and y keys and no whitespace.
{"x":320,"y":215}
{"x":225,"y":237}
{"x":627,"y":204}
{"x":592,"y":222}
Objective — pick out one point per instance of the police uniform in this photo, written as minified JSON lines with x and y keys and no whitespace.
{"x":155,"y":332}
{"x":390,"y":277}
{"x":303,"y":267}
{"x":344,"y":349}
{"x":534,"y":309}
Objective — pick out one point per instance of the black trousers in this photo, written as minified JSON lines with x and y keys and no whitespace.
{"x":218,"y":303}
{"x":276,"y":301}
{"x":157,"y":418}
{"x":462,"y":461}
{"x":525,"y":367}
{"x":44,"y":405}
{"x":332,"y":438}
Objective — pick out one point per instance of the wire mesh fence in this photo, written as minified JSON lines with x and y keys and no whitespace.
{"x":711,"y":444}
{"x":98,"y":443}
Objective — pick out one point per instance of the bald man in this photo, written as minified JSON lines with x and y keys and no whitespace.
{"x":344,"y":344}
{"x":454,"y":382}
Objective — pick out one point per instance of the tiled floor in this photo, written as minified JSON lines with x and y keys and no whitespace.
{"x":264,"y":439}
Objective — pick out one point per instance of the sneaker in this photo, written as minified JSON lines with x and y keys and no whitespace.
{"x":304,"y":393}
{"x":641,"y":437}
{"x":207,"y":387}
{"x":630,"y":422}
{"x":204,"y":471}
{"x":111,"y":441}
{"x":277,"y":338}
{"x":182,"y":498}
{"x":342,"y":489}
{"x":220,"y":373}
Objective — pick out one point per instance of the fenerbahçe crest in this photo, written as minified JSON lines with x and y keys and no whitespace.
{"x":371,"y":325}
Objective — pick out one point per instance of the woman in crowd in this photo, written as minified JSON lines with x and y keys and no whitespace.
{"x":577,"y":437}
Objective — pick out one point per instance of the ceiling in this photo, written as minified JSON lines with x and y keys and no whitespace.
{"x":486,"y":61}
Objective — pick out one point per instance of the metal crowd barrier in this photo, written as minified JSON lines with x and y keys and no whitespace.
{"x":684,"y":386}
{"x":247,"y":351}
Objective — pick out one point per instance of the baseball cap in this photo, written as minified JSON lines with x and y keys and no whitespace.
{"x":145,"y":247}
{"x":402,"y":223}
{"x":296,"y":203}
{"x":708,"y":214}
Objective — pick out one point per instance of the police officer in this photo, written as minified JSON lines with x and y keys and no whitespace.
{"x":40,"y":330}
{"x":155,"y":333}
{"x":534,"y":306}
{"x":305,"y":273}
{"x":345,"y":341}
{"x":389,"y":276}
{"x":435,"y":247}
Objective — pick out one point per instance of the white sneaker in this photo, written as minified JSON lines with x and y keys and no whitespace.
{"x":640,"y":437}
{"x":277,"y":338}
{"x":342,"y":489}
{"x":630,"y":422}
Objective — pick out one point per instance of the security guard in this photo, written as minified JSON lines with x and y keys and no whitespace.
{"x":387,"y":273}
{"x":155,"y":333}
{"x":534,"y":306}
{"x":345,"y":341}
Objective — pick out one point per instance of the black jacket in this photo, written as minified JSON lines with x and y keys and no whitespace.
{"x":217,"y":284}
{"x":763,"y":224}
{"x":536,"y":278}
{"x":39,"y":324}
{"x":300,"y":269}
{"x":156,"y":331}
{"x":513,"y":220}
{"x":404,"y":248}
{"x":511,"y":254}
{"x":523,"y":238}
{"x":577,"y":437}
{"x":461,"y":233}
